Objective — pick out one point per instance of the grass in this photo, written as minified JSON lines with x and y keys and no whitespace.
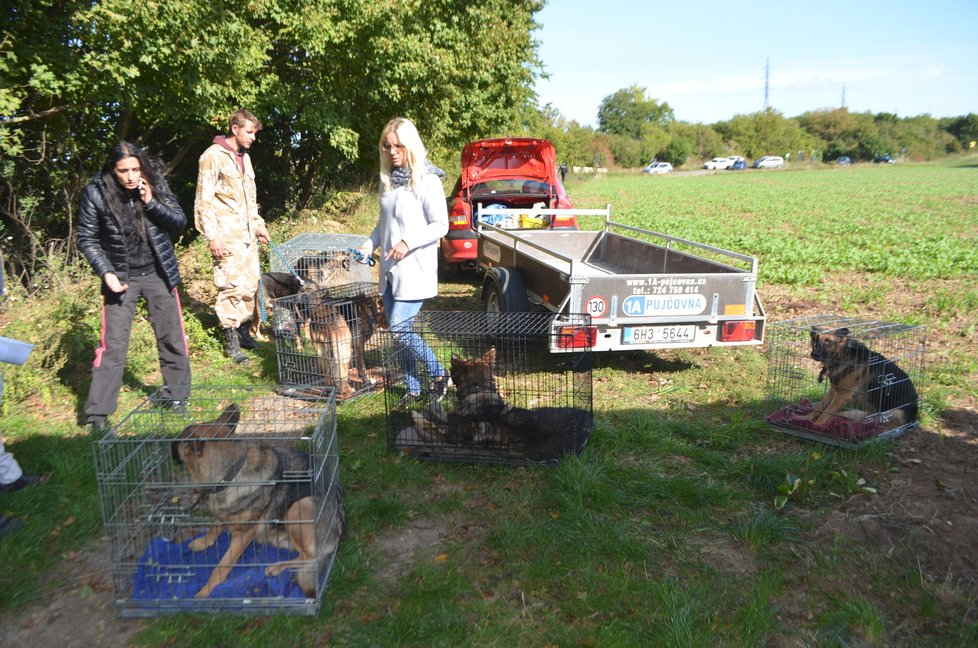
{"x":667,"y":531}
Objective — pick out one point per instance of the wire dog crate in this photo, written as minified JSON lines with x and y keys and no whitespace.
{"x":844,"y":381}
{"x":323,"y":259}
{"x":520,"y":387}
{"x":323,"y":339}
{"x":171,"y":484}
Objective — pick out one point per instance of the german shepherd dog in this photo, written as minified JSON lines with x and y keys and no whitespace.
{"x":338,"y":329}
{"x":482,"y":418}
{"x":276,"y":286}
{"x":282,"y":284}
{"x":331,"y":337}
{"x":247,"y":488}
{"x":325,"y":270}
{"x":318,"y":271}
{"x":364,"y":315}
{"x":861,"y":378}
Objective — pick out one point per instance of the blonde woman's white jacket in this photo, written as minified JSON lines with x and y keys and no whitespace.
{"x":420,"y":220}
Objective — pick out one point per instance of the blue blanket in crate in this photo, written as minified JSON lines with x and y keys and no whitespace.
{"x":170,"y":570}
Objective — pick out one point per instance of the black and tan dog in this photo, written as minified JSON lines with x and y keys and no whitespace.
{"x":483,"y":419}
{"x":365,"y":316}
{"x":277,"y":285}
{"x":860,"y":379}
{"x":338,"y":328}
{"x":331,"y":337}
{"x":261,"y":492}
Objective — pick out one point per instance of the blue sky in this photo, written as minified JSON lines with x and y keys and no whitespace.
{"x":706,"y":58}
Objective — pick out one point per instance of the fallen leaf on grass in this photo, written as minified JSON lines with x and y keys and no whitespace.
{"x":441,"y":557}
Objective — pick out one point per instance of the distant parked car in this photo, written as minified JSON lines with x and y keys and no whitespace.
{"x":769,"y":162}
{"x":739,"y":164}
{"x":735,"y":158}
{"x":845,"y":159}
{"x":884,"y":159}
{"x":657,"y":168}
{"x":718,"y":163}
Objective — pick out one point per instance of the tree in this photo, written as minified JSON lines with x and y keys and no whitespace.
{"x":965,"y":129}
{"x":323,"y":75}
{"x":840,"y":131}
{"x":629,"y":112}
{"x":766,"y":133}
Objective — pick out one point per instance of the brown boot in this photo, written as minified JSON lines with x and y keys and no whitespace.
{"x":232,"y":346}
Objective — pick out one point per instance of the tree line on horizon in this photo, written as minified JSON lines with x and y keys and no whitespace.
{"x":634,"y":129}
{"x":324,"y":76}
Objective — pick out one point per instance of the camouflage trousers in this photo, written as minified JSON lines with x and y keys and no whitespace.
{"x":236,"y":276}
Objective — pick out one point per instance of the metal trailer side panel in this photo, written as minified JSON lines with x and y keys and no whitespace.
{"x":639,"y":293}
{"x":548,"y":277}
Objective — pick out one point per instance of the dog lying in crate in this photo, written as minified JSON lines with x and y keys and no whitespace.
{"x":483,"y":424}
{"x":244,"y":485}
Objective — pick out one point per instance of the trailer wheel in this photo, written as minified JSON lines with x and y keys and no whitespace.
{"x":505,"y":292}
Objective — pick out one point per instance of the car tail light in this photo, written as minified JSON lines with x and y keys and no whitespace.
{"x":564,"y":221}
{"x":459,"y":217}
{"x":742,"y":331}
{"x":577,"y":337}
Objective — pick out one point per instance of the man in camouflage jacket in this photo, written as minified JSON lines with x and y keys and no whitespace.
{"x":226,"y":213}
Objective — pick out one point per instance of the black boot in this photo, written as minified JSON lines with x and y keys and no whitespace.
{"x":244,"y":335}
{"x":232,"y":347}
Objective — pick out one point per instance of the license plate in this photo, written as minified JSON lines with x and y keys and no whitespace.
{"x":658,"y":334}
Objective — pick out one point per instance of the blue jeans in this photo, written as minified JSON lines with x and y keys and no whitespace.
{"x":411,"y":347}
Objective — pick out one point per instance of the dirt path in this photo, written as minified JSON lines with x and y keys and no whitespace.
{"x":79,"y":613}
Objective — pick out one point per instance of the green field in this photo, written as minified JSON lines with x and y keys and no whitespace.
{"x":666,"y":531}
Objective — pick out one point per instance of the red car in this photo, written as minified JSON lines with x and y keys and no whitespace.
{"x":510,"y":172}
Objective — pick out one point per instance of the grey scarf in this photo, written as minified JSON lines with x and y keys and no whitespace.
{"x":401,"y":175}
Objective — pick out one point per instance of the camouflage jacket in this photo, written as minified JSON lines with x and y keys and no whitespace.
{"x":226,"y":205}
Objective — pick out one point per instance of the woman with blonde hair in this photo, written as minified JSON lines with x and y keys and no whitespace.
{"x":413,"y":217}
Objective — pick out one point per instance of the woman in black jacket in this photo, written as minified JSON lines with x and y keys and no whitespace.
{"x":124,"y":225}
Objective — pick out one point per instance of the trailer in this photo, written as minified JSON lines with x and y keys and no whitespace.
{"x":641,"y":289}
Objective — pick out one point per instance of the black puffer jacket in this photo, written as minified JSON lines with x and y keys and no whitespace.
{"x":102,"y":241}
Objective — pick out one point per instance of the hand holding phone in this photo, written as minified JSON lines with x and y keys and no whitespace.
{"x":145,"y":191}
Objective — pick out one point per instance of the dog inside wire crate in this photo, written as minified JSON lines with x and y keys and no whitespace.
{"x":844,"y":381}
{"x":323,"y":259}
{"x":323,"y":339}
{"x":233,"y":505}
{"x":520,"y":387}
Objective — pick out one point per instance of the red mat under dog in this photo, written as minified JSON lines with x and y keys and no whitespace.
{"x":837,"y":427}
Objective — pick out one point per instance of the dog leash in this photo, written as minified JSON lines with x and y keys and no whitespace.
{"x":285,"y":262}
{"x":362,"y":258}
{"x":262,"y":297}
